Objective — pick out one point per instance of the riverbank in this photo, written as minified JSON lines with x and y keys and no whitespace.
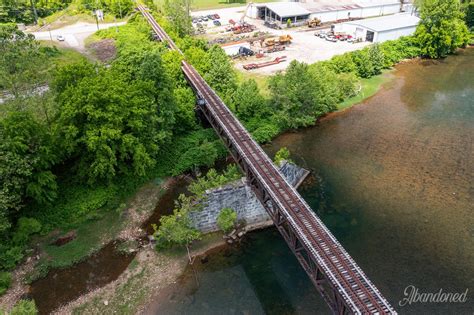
{"x":149,"y":272}
{"x":123,"y":223}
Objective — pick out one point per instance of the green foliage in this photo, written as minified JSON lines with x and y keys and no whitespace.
{"x":469,"y":14}
{"x":176,"y":229}
{"x":265,"y":130}
{"x":177,"y":12}
{"x":396,"y":50}
{"x":23,"y":11}
{"x":248,"y":102}
{"x":364,"y":65}
{"x":441,"y":29}
{"x":24,"y":307}
{"x":5,"y":281}
{"x":304,"y":93}
{"x":10,"y":256}
{"x":21,"y":61}
{"x":25,"y":160}
{"x":283,"y":154}
{"x":377,"y":57}
{"x":342,"y":63}
{"x":110,"y":124}
{"x":221,"y":74}
{"x":197,"y":148}
{"x":118,"y":8}
{"x":213,"y":179}
{"x":26,"y":227}
{"x":227,"y":219}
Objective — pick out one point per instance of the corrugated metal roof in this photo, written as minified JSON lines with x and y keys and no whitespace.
{"x":389,"y":22}
{"x":320,"y":6}
{"x":286,"y":9}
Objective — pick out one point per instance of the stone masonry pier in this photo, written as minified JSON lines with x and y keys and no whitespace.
{"x":240,"y":197}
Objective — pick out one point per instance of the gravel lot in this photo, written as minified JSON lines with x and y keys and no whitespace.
{"x":305,"y":46}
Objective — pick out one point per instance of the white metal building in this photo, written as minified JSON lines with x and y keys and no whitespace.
{"x":325,"y":10}
{"x":380,"y":29}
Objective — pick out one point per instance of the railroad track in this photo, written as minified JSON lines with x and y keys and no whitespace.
{"x":343,"y":275}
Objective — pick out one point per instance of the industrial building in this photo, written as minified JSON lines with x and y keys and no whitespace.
{"x":380,"y":29}
{"x":281,"y":12}
{"x":324,"y":10}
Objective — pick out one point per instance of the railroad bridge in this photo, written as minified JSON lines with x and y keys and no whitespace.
{"x":334,"y":273}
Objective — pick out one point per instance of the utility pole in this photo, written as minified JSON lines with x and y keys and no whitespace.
{"x":50,"y":36}
{"x":33,"y":6}
{"x":96,"y":13}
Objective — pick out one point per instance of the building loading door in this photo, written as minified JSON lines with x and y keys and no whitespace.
{"x":370,"y":36}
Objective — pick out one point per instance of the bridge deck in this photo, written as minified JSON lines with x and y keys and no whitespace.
{"x":358,"y":293}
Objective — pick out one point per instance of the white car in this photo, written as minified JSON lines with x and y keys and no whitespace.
{"x":60,"y":38}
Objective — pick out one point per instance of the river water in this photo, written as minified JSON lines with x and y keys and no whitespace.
{"x":393,"y":179}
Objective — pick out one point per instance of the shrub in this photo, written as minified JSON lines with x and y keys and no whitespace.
{"x":26,"y":227}
{"x":24,"y":307}
{"x":227,"y":219}
{"x":5,"y":281}
{"x":377,"y":57}
{"x":10,"y":256}
{"x":342,"y":63}
{"x":282,"y":155}
{"x":212,"y":180}
{"x":265,"y":132}
{"x":361,"y":58}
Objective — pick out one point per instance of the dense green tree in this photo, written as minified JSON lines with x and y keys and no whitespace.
{"x":119,"y":8}
{"x":304,"y":93}
{"x":342,"y":63}
{"x":26,"y":156}
{"x":221,"y":74}
{"x":292,"y":95}
{"x":441,"y":29}
{"x":469,"y":12}
{"x":177,"y":12}
{"x":176,"y":229}
{"x":27,"y":11}
{"x":110,"y":125}
{"x":21,"y":62}
{"x":248,"y":101}
{"x":365,"y":67}
{"x":5,"y":281}
{"x":377,"y":57}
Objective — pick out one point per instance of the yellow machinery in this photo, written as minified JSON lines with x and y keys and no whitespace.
{"x":282,"y":40}
{"x":314,"y":22}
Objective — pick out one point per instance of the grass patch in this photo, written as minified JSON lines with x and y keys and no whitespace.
{"x":97,"y":214}
{"x":369,"y":87}
{"x":90,"y":235}
{"x":262,"y":80}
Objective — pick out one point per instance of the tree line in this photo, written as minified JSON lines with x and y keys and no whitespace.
{"x":30,"y":11}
